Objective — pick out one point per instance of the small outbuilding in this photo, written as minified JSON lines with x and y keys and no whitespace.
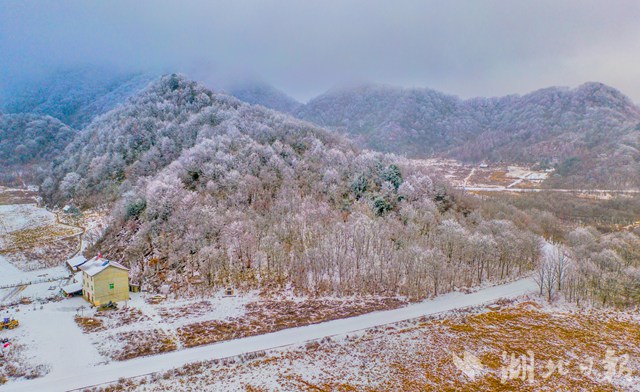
{"x":74,"y":263}
{"x":71,"y":210}
{"x":104,"y":280}
{"x":74,"y":286}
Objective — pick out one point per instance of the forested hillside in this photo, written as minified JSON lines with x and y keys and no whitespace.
{"x":590,"y":134}
{"x":418,"y":122}
{"x":74,"y":96}
{"x":28,"y":144}
{"x":259,"y":93}
{"x":206,"y":187}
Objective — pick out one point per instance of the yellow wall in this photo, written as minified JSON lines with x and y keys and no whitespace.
{"x":87,"y":287}
{"x":101,"y":293}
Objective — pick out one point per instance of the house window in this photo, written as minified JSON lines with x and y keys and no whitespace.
{"x":111,"y":286}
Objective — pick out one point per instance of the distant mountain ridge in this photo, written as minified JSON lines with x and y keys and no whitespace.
{"x":261,"y":93}
{"x":28,"y":144}
{"x":74,"y":96}
{"x":590,"y":133}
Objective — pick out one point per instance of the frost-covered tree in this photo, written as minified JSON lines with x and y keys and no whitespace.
{"x":205,"y":185}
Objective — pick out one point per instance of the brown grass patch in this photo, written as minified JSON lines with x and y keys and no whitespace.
{"x":102,"y":321}
{"x":17,"y":196}
{"x":272,"y":315}
{"x":417,"y":356}
{"x":499,"y":177}
{"x":572,"y":338}
{"x":137,"y":344}
{"x":89,"y":324}
{"x":21,"y":240}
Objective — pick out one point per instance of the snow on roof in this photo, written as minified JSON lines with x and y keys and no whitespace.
{"x":72,"y":288}
{"x":75,"y":262}
{"x":74,"y":284}
{"x":98,"y":264}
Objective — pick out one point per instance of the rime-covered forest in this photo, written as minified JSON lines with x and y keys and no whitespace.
{"x":203,"y":186}
{"x":590,"y":134}
{"x":75,"y":95}
{"x":28,"y":143}
{"x":595,"y":260}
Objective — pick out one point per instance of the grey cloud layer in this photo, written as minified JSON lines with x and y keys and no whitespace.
{"x":468,"y":48}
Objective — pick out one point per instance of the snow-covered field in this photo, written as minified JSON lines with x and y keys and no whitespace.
{"x":140,"y":328}
{"x":515,"y":345}
{"x":492,"y":176}
{"x":17,"y":283}
{"x":32,"y":238}
{"x":14,"y":217}
{"x":91,"y":370}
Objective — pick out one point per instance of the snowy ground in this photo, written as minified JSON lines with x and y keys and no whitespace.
{"x":15,"y":217}
{"x":32,"y":238}
{"x":87,"y":370}
{"x":475,"y":349}
{"x":51,"y":335}
{"x":492,"y":176}
{"x":35,"y":285}
{"x":143,"y":328}
{"x":10,"y":275}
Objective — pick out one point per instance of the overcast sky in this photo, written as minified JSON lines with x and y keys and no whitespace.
{"x":468,"y":48}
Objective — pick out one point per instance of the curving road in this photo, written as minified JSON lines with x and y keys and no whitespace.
{"x":86,"y":375}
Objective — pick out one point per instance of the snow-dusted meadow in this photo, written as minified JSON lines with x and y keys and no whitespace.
{"x":494,"y":176}
{"x":23,"y":229}
{"x":92,"y":368}
{"x":32,"y":237}
{"x":141,"y":327}
{"x":512,"y":345}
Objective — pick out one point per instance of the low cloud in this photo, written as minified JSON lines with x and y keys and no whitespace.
{"x":469,"y":48}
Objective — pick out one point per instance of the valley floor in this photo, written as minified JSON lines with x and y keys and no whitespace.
{"x":80,"y":371}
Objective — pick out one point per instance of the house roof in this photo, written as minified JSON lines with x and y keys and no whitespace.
{"x":98,"y":264}
{"x":74,"y":285}
{"x":72,"y":288}
{"x":76,"y":262}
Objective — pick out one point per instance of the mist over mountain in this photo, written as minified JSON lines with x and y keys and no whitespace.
{"x":589,"y":133}
{"x":417,"y":122}
{"x":28,"y":144}
{"x":73,"y":95}
{"x":261,"y":93}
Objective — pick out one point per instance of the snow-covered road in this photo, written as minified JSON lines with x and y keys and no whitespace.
{"x":85,"y":374}
{"x":510,"y":188}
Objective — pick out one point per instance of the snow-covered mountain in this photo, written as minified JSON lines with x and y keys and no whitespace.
{"x":260,"y":93}
{"x":204,"y":184}
{"x":590,"y":134}
{"x":74,"y":96}
{"x":28,"y":144}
